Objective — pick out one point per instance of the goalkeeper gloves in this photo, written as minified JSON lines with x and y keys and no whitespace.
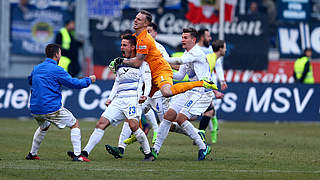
{"x":113,"y":66}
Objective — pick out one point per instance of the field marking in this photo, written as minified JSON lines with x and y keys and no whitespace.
{"x":171,"y":170}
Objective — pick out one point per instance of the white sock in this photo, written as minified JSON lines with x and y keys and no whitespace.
{"x":76,"y":141}
{"x":210,"y":125}
{"x":37,"y":139}
{"x":142,"y":139}
{"x":152,"y":118}
{"x":178,"y":129}
{"x":160,"y":116}
{"x":95,"y":138}
{"x":190,"y":130}
{"x":125,"y":134}
{"x":162,"y":134}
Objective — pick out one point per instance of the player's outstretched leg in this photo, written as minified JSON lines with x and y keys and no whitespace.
{"x":76,"y":143}
{"x":141,"y":138}
{"x":118,"y":152}
{"x":37,"y":139}
{"x":150,"y":116}
{"x":162,"y":135}
{"x":204,"y":149}
{"x":94,"y":139}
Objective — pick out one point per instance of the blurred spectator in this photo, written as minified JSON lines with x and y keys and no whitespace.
{"x":69,"y":48}
{"x":21,"y":9}
{"x":303,"y":68}
{"x":272,"y":14}
{"x":271,"y":10}
{"x":253,"y":8}
{"x":23,"y":5}
{"x":161,"y":7}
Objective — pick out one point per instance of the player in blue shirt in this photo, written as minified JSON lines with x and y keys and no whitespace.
{"x":46,"y":81}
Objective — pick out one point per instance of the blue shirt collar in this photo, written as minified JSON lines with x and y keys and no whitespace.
{"x":51,"y":60}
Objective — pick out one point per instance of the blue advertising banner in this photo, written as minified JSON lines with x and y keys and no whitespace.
{"x":294,"y":38}
{"x":294,"y":10}
{"x":34,"y":25}
{"x":102,"y":8}
{"x":242,"y":102}
{"x":270,"y":102}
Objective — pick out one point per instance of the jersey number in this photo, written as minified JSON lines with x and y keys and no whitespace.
{"x":188,"y":104}
{"x":132,"y":110}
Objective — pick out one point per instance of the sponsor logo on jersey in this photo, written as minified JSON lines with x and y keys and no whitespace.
{"x":142,"y":47}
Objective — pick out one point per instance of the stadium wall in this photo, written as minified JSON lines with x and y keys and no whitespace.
{"x":242,"y":102}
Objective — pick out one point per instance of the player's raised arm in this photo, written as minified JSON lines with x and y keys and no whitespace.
{"x":180,"y":74}
{"x":136,"y":61}
{"x":188,"y":58}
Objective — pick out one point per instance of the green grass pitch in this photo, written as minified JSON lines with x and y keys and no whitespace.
{"x":243,"y":151}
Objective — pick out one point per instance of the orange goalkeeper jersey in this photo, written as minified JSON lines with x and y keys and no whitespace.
{"x":146,"y":45}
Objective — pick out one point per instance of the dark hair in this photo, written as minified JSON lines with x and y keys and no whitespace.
{"x":68,"y":20}
{"x":193,"y":32}
{"x":132,"y":39}
{"x":154,"y":26}
{"x":52,"y":50}
{"x":202,"y":31}
{"x":305,"y":51}
{"x":148,"y":15}
{"x":217,"y":44}
{"x":125,"y":32}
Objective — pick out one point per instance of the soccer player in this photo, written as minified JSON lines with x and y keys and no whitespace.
{"x":160,"y":69}
{"x":193,"y":102}
{"x":46,"y":80}
{"x":215,"y":64}
{"x":157,"y":100}
{"x":124,"y":102}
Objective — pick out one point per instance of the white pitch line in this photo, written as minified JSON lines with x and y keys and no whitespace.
{"x":171,"y":170}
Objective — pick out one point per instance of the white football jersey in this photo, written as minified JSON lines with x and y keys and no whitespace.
{"x":129,"y":81}
{"x":162,"y":49}
{"x":193,"y":63}
{"x":206,"y":50}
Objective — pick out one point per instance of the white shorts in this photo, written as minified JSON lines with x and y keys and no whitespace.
{"x":121,"y":109}
{"x":61,"y":118}
{"x":191,"y":103}
{"x":159,"y":104}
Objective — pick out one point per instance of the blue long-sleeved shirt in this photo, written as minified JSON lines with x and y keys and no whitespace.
{"x":46,"y":81}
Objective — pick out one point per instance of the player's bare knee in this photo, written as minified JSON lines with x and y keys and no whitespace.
{"x":76,"y":125}
{"x":133,"y":124}
{"x":45,"y":129}
{"x":102,"y":123}
{"x":209,"y":113}
{"x":170,"y":115}
{"x":181,"y":118}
